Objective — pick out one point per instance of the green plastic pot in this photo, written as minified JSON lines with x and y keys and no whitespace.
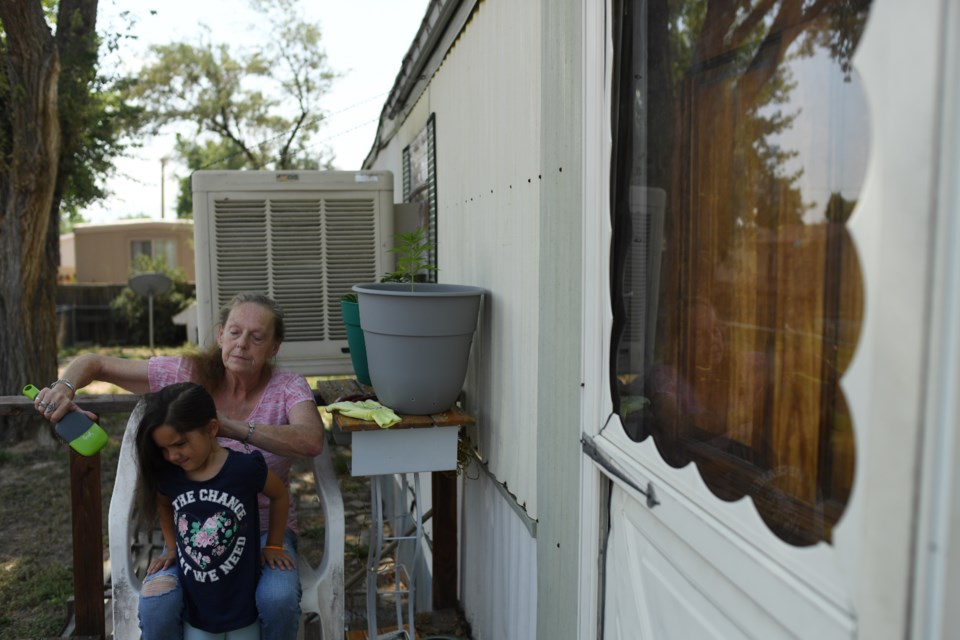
{"x":358,"y":348}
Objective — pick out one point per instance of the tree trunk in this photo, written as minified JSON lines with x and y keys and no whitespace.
{"x":31,"y":146}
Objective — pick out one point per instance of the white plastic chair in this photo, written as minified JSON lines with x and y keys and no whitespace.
{"x":323,"y":594}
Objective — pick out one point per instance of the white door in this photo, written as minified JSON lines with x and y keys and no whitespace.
{"x":760,"y":399}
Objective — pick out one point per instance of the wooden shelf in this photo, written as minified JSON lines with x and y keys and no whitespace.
{"x":415,"y":444}
{"x":330,"y":391}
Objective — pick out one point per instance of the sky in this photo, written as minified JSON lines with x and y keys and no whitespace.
{"x":365,"y":41}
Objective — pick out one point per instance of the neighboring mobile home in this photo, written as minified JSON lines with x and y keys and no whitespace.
{"x":105,"y":253}
{"x":716,"y":375}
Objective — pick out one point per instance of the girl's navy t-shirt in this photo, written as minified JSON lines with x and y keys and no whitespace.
{"x":217,"y":528}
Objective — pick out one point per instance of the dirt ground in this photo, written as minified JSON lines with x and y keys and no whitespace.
{"x":35,"y":535}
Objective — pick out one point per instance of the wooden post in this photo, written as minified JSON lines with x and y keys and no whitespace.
{"x":444,"y":487}
{"x":87,"y":517}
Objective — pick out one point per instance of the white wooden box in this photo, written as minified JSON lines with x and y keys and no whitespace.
{"x":387,"y":451}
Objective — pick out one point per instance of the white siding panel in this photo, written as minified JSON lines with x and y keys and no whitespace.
{"x":486,"y":97}
{"x":498,"y":566}
{"x":486,"y":100}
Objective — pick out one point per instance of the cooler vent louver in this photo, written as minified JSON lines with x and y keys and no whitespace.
{"x":305,"y":242}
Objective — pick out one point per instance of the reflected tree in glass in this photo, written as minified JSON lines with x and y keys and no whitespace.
{"x":741,"y":138}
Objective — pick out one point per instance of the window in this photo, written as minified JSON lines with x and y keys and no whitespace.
{"x":420,"y":183}
{"x":140,"y":248}
{"x":740,"y":146}
{"x":165,"y":249}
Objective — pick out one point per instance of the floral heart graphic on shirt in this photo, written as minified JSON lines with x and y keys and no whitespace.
{"x":207,"y":541}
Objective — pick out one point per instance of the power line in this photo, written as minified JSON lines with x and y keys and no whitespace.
{"x":362,"y":102}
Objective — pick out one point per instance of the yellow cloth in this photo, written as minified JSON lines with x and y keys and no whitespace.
{"x":367,"y":410}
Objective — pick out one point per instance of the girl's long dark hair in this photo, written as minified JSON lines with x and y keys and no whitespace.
{"x":184,"y":406}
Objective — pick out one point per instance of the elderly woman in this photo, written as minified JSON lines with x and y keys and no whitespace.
{"x":258,"y":407}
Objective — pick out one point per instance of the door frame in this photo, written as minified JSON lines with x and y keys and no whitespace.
{"x":937,"y":560}
{"x":596,"y":318}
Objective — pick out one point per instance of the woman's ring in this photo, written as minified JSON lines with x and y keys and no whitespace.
{"x":43,"y":405}
{"x":52,"y":406}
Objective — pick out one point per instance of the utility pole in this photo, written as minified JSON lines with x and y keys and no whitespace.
{"x":163,"y":175}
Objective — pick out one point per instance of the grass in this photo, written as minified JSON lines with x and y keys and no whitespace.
{"x":36,"y":553}
{"x":32,"y":588}
{"x":33,"y":593}
{"x":68,"y":353}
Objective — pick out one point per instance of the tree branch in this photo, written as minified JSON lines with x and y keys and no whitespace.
{"x":225,"y":131}
{"x":750,"y":23}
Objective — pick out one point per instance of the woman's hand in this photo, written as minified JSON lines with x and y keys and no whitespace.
{"x":162,"y":562}
{"x":54,"y":402}
{"x":276,"y":558}
{"x":303,"y":437}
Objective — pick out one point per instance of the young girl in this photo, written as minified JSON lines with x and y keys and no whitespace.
{"x":205,"y":497}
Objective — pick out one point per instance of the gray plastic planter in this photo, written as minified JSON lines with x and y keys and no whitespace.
{"x":418,"y":342}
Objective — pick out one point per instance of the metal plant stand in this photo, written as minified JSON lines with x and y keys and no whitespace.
{"x":403,"y":580}
{"x":416,"y":445}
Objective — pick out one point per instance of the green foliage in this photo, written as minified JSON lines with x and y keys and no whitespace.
{"x":93,"y":119}
{"x":316,"y":532}
{"x":357,"y":550}
{"x":413,"y":255}
{"x":247,"y":108}
{"x":839,"y":209}
{"x":92,"y":112}
{"x":341,"y":463}
{"x":206,"y":154}
{"x":97,"y":124}
{"x":132,"y":311}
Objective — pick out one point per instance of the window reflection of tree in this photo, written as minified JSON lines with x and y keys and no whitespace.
{"x":707,"y":99}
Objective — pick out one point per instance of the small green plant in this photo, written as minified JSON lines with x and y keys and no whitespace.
{"x":131,"y":311}
{"x":341,"y":464}
{"x":358,"y":551}
{"x":316,"y":532}
{"x":413,"y":255}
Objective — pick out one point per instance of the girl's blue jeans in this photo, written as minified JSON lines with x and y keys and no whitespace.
{"x":278,"y":601}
